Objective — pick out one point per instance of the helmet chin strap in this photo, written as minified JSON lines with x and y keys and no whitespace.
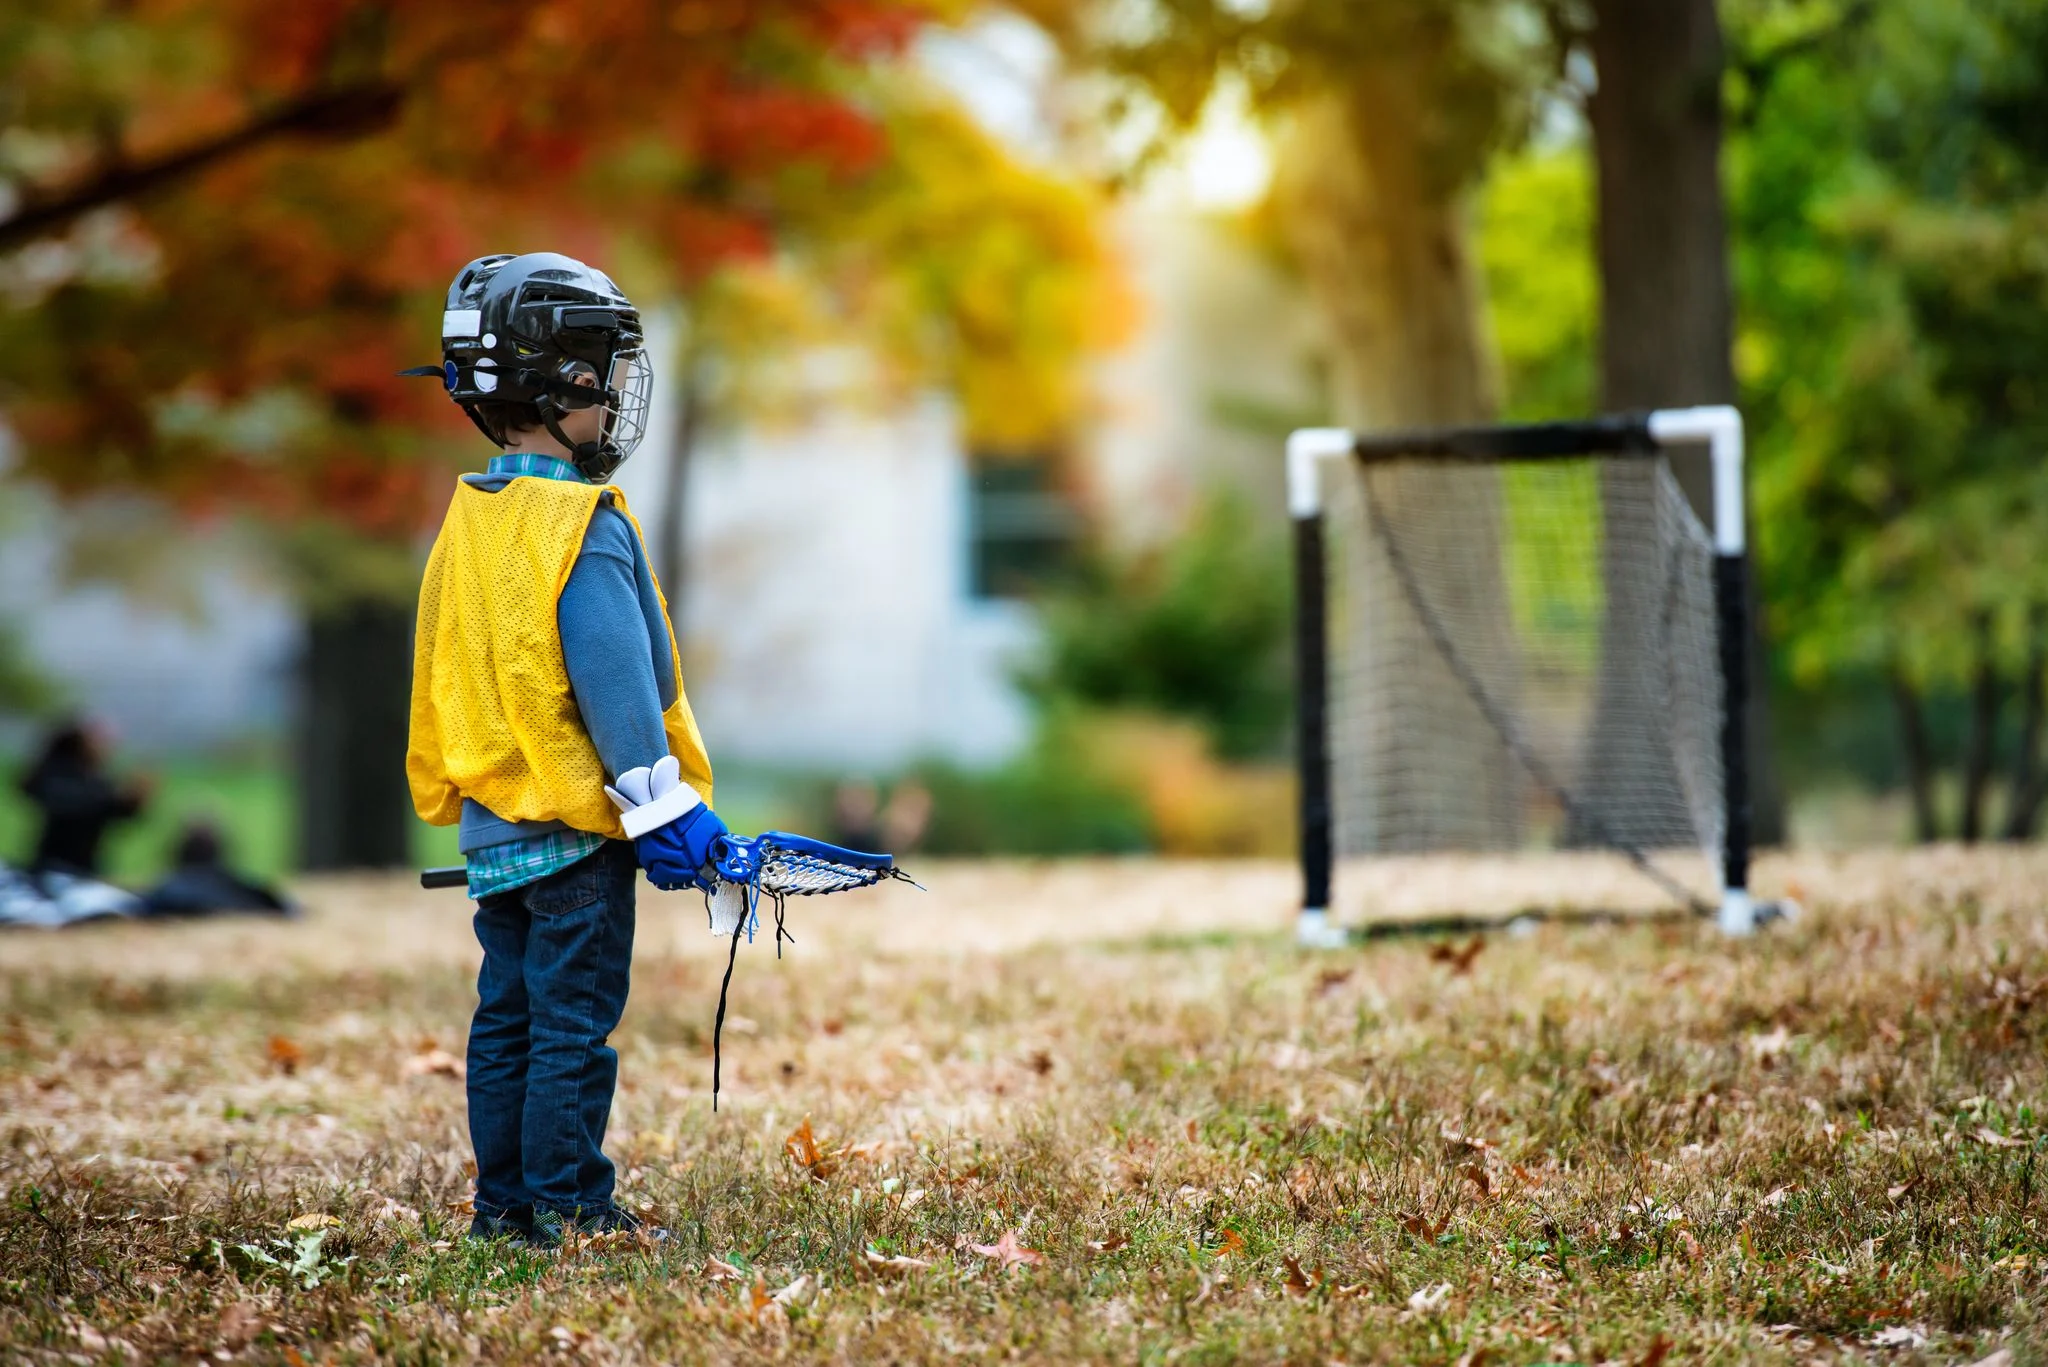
{"x":590,"y":457}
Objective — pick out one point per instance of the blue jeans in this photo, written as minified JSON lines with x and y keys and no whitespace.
{"x":557,"y":953}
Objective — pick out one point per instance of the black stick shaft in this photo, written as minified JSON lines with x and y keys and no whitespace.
{"x":456,"y":877}
{"x":1311,"y":693}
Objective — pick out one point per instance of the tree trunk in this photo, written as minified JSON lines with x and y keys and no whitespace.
{"x":1983,"y":725}
{"x":1666,"y":335}
{"x":352,"y":737}
{"x":1381,"y":238}
{"x":1919,"y":756}
{"x":671,"y":557}
{"x":2028,"y":788}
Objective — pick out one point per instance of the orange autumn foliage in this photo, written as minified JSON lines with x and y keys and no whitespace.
{"x":234,"y":333}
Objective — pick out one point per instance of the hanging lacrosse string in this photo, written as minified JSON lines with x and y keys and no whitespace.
{"x":776,"y":865}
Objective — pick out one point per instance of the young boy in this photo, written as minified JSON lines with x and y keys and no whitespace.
{"x":543,"y":667}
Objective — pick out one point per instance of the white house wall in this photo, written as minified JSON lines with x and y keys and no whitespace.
{"x":826,"y":619}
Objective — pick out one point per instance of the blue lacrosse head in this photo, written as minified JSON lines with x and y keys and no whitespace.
{"x":736,"y":859}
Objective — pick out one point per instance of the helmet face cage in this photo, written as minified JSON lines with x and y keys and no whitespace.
{"x":630,"y":388}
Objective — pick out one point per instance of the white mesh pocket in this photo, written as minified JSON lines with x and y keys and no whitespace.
{"x":728,"y":906}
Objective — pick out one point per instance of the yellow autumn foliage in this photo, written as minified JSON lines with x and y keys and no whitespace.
{"x":1197,"y":804}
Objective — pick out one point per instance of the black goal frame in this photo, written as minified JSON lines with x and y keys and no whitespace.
{"x":1718,"y":427}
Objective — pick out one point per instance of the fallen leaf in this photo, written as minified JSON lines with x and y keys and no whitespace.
{"x":1898,"y":1336}
{"x":896,"y":1266}
{"x":1906,"y":1187}
{"x":799,"y":1292}
{"x":1430,"y":1299}
{"x":1692,"y":1245}
{"x":1476,"y":1175}
{"x":93,"y":1341}
{"x":1008,"y":1252}
{"x":239,"y":1322}
{"x":718,"y":1270}
{"x":435,"y":1062}
{"x":1191,"y":1132}
{"x":2001,"y":1358}
{"x":1654,"y":1355}
{"x":1232,"y":1242}
{"x":1040,"y":1062}
{"x":285,"y":1054}
{"x":1778,"y":1195}
{"x":397,"y":1210}
{"x":758,"y":1298}
{"x":804,"y":1150}
{"x":1301,"y":1185}
{"x":1462,"y":1143}
{"x":1300,"y":1283}
{"x":312,"y":1219}
{"x":1421,"y":1227}
{"x":1460,"y":960}
{"x":1994,"y":1139}
{"x":293,"y":1357}
{"x":1330,"y":979}
{"x":1113,"y":1244}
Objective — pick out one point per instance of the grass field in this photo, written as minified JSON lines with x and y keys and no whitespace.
{"x":1071,"y":1111}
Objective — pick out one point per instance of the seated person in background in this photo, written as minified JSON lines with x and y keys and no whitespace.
{"x":907,"y":817}
{"x":857,"y":815}
{"x":78,"y":798}
{"x":202,"y":882}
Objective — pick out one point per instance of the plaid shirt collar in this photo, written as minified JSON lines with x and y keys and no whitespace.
{"x":533,"y":463}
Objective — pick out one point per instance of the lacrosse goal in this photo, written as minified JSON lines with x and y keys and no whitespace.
{"x":1524,"y":637}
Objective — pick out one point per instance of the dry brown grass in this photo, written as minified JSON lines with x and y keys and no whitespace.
{"x":1627,"y":1145}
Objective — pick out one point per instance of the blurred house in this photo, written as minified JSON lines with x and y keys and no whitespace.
{"x":839,"y":611}
{"x":177,"y":637}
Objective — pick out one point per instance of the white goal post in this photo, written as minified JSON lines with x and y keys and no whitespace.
{"x":1603,"y":453}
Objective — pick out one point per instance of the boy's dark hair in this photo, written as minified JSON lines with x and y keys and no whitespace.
{"x":506,"y":415}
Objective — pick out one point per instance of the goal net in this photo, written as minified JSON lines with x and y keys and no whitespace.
{"x":1518,"y":638}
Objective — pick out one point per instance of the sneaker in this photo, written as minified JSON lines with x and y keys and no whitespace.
{"x":611,"y":1225}
{"x":516,"y":1223}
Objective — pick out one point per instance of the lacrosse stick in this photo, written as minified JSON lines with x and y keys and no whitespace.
{"x":742,"y":870}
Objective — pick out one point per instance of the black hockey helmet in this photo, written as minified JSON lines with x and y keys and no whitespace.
{"x":518,"y":334}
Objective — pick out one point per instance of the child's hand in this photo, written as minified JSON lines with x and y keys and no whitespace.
{"x":671,"y":827}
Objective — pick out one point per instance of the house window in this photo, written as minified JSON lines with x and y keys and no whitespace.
{"x":1022,"y":528}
